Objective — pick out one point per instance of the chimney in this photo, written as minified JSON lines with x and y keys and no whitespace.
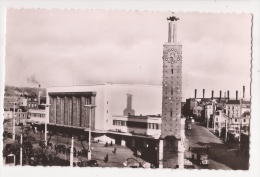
{"x":236,"y":95}
{"x":195,"y":93}
{"x":39,"y":95}
{"x":220,"y":93}
{"x":244,"y":88}
{"x":212,"y":94}
{"x":203,"y":93}
{"x":228,"y":94}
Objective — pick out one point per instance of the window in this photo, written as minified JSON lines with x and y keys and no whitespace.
{"x":9,"y":159}
{"x":153,"y":126}
{"x":216,"y":119}
{"x":172,"y":71}
{"x":119,"y":122}
{"x":171,"y":113}
{"x":244,"y":120}
{"x":235,"y":120}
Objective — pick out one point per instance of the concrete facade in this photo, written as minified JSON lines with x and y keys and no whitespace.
{"x":171,"y":148}
{"x":110,"y":99}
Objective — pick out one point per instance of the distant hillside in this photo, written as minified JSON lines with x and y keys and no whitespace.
{"x":17,"y":91}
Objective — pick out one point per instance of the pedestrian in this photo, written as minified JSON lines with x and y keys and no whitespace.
{"x":106,"y":145}
{"x":106,"y":158}
{"x":111,"y":144}
{"x":114,"y":150}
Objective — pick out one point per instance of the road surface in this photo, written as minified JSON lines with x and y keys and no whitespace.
{"x":221,"y":156}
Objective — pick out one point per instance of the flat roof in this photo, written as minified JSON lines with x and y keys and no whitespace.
{"x":118,"y":84}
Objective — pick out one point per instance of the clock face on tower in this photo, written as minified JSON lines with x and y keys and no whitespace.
{"x":172,"y":56}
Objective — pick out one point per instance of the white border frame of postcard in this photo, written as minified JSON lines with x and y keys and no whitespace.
{"x":230,"y":6}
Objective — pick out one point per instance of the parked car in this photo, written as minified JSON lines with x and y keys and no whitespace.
{"x":90,"y":163}
{"x":201,"y":158}
{"x":8,"y":146}
{"x":189,"y":126}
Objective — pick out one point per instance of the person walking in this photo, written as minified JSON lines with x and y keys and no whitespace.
{"x":106,"y":158}
{"x":114,"y":150}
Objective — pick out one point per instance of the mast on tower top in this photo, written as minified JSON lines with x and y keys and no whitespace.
{"x":172,"y":33}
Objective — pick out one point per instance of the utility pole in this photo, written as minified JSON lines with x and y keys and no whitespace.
{"x":21,"y":150}
{"x":45,"y":123}
{"x":71,"y":152}
{"x":89,"y":134}
{"x":226,"y":131}
{"x":14,"y":121}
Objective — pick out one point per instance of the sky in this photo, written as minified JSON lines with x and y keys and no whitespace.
{"x":73,"y":47}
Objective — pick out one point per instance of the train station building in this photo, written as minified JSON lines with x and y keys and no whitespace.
{"x":128,"y":115}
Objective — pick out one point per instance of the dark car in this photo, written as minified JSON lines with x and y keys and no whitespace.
{"x":90,"y":163}
{"x":8,"y":146}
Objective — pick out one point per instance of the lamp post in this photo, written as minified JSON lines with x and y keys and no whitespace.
{"x":45,"y":123}
{"x":89,"y":134}
{"x":72,"y":152}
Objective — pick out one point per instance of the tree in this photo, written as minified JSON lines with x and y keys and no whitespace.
{"x":81,"y":139}
{"x":51,"y":133}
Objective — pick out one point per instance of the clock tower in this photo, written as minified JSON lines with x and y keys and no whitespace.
{"x":171,"y":146}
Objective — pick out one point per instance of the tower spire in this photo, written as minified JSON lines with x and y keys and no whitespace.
{"x":172,"y":32}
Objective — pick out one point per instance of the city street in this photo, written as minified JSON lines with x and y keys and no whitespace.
{"x":221,"y":156}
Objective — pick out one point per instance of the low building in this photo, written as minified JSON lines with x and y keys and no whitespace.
{"x":208,"y":108}
{"x":233,"y":108}
{"x":32,"y":102}
{"x":9,"y":102}
{"x":36,"y":116}
{"x":21,"y":117}
{"x":8,"y":114}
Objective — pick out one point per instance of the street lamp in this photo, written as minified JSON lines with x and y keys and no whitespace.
{"x":45,"y":123}
{"x":89,"y":134}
